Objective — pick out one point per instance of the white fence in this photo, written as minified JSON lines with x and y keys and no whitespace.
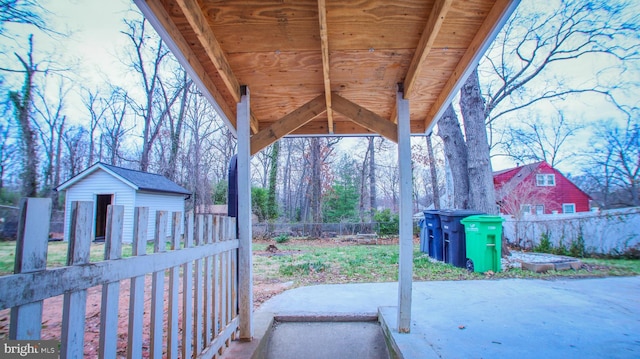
{"x":198,"y":318}
{"x":606,"y":232}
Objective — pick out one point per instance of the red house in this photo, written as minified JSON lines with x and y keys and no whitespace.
{"x":537,"y":188}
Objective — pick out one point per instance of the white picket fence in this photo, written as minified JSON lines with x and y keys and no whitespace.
{"x":203,"y":264}
{"x":611,"y":231}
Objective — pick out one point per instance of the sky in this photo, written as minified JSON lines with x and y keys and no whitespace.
{"x":95,"y":45}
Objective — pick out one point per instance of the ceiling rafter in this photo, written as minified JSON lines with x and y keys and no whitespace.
{"x":288,"y":124}
{"x":197,"y":20}
{"x":324,"y":42}
{"x":165,"y":19}
{"x":428,"y":37}
{"x":500,"y":11}
{"x":365,"y":118}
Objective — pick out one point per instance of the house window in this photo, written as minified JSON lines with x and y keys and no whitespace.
{"x":545,"y":180}
{"x":568,"y":208}
{"x":540,"y":209}
{"x":525,"y":208}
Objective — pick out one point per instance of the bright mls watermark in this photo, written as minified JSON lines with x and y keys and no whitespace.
{"x":40,"y":349}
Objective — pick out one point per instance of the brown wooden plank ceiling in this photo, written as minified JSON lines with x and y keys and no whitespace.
{"x":300,"y":57}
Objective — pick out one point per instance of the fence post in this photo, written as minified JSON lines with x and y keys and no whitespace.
{"x":136,"y":293}
{"x":198,"y":294}
{"x":31,"y":256}
{"x":208,"y":282}
{"x":174,"y":279}
{"x":111,"y":291}
{"x":187,"y":292}
{"x":157,"y":288}
{"x":75,"y":303}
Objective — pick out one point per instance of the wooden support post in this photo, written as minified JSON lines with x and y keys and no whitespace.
{"x":136,"y":292}
{"x":245,"y":275}
{"x":75,"y":303}
{"x":31,"y":256}
{"x":406,"y":224}
{"x":111,"y":291}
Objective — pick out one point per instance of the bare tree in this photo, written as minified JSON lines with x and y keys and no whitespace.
{"x":75,"y":143}
{"x":7,"y":151}
{"x":538,"y":140}
{"x":97,"y":107}
{"x":614,"y":164}
{"x":519,"y":202}
{"x":433,"y":173}
{"x":147,"y":58}
{"x":21,"y":12}
{"x":114,"y":127}
{"x":50,"y":124}
{"x":23,"y":105}
{"x":202,"y":126}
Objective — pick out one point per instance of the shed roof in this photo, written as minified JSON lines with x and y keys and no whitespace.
{"x":328,"y":67}
{"x":138,"y":180}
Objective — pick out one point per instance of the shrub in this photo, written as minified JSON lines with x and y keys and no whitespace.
{"x":389,"y":222}
{"x":545,"y":244}
{"x":283,"y":238}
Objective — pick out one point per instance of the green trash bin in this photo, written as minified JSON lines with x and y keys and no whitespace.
{"x":484,"y":242}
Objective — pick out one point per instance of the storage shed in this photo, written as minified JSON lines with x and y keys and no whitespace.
{"x":105,"y":184}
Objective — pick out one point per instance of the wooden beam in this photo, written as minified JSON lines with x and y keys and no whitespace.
{"x":155,"y":12}
{"x":429,"y":34}
{"x":365,"y":118}
{"x":324,"y":43}
{"x":288,"y":124}
{"x":197,"y":19}
{"x":499,"y":13}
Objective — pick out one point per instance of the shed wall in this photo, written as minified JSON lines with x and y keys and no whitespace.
{"x":100,"y":182}
{"x":159,"y":202}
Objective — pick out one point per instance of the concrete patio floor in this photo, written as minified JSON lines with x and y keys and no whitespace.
{"x":511,"y":318}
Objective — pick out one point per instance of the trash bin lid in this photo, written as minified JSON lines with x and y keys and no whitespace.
{"x":483,"y":218}
{"x":459,"y":213}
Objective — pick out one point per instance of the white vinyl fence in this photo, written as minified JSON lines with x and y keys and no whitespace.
{"x":199,"y":317}
{"x":612,"y":231}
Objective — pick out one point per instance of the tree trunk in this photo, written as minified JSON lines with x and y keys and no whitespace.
{"x":22,"y":102}
{"x":316,"y":187}
{"x":433,"y":173}
{"x":55,"y":195}
{"x":482,"y":195}
{"x":456,"y":152}
{"x":176,"y":131}
{"x":272,"y":203}
{"x":372,"y":177}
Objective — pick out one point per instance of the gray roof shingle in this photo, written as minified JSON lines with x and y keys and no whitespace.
{"x":147,"y":181}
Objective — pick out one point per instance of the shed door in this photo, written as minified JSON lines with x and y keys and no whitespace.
{"x":102,"y":201}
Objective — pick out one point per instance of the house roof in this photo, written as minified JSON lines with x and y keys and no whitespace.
{"x":138,"y":180}
{"x":328,"y":67}
{"x":511,"y":177}
{"x":508,"y":179}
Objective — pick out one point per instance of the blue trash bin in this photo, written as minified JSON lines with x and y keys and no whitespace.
{"x":433,"y":235}
{"x":454,"y":245}
{"x":424,"y":242}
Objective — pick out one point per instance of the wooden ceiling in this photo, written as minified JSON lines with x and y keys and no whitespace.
{"x":302,"y":57}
